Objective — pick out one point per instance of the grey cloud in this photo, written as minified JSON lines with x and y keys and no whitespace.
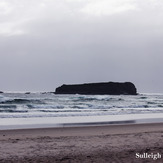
{"x":78,"y":48}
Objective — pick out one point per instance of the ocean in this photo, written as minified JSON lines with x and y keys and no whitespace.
{"x":21,"y":105}
{"x":49,"y":105}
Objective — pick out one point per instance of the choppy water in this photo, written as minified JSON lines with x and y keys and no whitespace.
{"x":20,"y":105}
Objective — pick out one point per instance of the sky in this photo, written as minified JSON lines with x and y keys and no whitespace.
{"x":47,"y":43}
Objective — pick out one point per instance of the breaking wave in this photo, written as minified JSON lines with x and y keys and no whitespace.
{"x":50,"y":105}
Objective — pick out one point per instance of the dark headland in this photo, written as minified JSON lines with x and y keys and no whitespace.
{"x":107,"y":88}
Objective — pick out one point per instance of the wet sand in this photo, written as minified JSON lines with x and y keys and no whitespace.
{"x":96,"y":144}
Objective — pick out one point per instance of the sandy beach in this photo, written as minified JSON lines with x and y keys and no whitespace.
{"x":109,"y":143}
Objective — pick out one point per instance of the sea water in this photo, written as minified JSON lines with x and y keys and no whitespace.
{"x":21,"y":105}
{"x":48,"y":105}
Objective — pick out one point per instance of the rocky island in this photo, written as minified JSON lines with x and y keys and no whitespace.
{"x":106,"y":88}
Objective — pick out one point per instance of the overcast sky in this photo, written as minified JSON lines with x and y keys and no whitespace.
{"x":47,"y":43}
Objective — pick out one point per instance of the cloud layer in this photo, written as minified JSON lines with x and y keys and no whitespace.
{"x":45,"y":43}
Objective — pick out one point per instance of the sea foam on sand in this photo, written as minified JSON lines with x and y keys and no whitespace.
{"x":42,"y":122}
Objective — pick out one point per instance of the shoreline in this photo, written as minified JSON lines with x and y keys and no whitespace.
{"x":106,"y":143}
{"x":96,"y":129}
{"x":78,"y":121}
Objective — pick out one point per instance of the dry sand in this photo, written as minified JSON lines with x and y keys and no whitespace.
{"x":95,"y":144}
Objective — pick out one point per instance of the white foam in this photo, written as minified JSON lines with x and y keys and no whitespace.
{"x":22,"y":123}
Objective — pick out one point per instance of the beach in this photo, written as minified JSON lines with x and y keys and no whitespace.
{"x":103,"y":143}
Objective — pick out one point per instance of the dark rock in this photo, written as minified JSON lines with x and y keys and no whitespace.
{"x":108,"y":88}
{"x":44,"y":93}
{"x":1,"y":92}
{"x":27,"y":93}
{"x":48,"y":93}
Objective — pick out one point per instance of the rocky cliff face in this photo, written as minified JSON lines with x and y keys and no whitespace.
{"x":108,"y":88}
